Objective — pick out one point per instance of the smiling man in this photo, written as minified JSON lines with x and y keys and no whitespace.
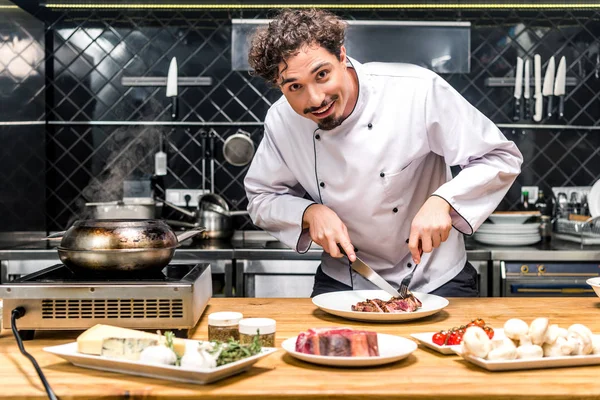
{"x":359,"y":154}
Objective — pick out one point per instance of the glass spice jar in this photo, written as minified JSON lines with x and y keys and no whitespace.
{"x":223,"y":326}
{"x":264,"y":327}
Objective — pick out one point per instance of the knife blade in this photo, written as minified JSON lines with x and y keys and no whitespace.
{"x":559,"y":85}
{"x":518,"y":89}
{"x":548,"y":84}
{"x":527,"y":90}
{"x":368,"y":273}
{"x":537,"y":79}
{"x":172,"y":87}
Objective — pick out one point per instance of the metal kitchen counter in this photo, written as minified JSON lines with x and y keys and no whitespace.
{"x":557,"y":250}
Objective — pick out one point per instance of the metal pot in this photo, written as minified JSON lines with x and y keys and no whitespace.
{"x":120,"y":245}
{"x":213,"y":214}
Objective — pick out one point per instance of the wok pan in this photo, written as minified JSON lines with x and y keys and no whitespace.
{"x":110,"y":246}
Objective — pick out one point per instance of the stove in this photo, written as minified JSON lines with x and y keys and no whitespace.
{"x":56,"y":298}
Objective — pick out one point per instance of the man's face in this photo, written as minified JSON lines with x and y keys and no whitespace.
{"x":317,"y":86}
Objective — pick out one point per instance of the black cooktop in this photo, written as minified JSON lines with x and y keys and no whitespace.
{"x":60,"y":273}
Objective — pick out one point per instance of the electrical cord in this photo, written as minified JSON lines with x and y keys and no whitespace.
{"x":14,"y":316}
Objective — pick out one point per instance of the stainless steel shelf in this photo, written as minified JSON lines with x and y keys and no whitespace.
{"x":510,"y":81}
{"x":162,"y":81}
{"x":153,"y":123}
{"x":550,"y":127}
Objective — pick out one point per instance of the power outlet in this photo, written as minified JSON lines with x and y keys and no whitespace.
{"x":185,"y":197}
{"x":533,"y":193}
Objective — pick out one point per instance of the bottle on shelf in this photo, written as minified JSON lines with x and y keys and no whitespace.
{"x":541,"y":204}
{"x":525,"y":205}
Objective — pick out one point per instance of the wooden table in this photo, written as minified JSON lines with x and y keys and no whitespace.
{"x":424,"y":375}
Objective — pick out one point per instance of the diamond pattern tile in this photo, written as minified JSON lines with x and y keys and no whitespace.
{"x":93,"y":50}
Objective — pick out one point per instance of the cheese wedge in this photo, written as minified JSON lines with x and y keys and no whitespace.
{"x":91,"y":341}
{"x":126,"y":349}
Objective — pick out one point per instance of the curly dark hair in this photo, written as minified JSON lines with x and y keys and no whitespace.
{"x":287,"y":33}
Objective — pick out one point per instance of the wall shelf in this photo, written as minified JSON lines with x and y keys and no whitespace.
{"x":259,"y":124}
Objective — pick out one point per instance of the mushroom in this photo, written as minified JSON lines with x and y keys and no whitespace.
{"x":583,"y":335}
{"x":514,"y":328}
{"x":530,"y":351}
{"x":553,"y":333}
{"x":596,"y":344}
{"x":502,"y":349}
{"x":537,"y":330}
{"x":569,"y":345}
{"x":476,"y":342}
{"x":158,"y":355}
{"x":561,"y":347}
{"x":525,"y":340}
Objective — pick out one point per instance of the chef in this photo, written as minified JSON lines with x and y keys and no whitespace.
{"x":359,"y":154}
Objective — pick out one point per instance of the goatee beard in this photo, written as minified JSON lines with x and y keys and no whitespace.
{"x":329,"y":123}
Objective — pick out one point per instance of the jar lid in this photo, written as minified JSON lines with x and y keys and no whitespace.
{"x":249,"y":326}
{"x":224,"y":318}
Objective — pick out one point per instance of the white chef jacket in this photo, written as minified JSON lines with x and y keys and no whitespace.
{"x":378,"y":168}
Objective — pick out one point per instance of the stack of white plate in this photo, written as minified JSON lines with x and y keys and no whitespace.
{"x":508,"y":234}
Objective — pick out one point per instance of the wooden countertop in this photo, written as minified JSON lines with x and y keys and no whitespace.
{"x":424,"y":375}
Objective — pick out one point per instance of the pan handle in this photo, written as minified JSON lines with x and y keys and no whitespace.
{"x":180,"y":209}
{"x":55,"y":236}
{"x":189,"y":234}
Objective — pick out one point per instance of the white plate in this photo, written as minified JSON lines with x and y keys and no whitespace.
{"x":425,"y":338}
{"x":507,"y":241}
{"x":509,"y":218}
{"x":594,"y":199}
{"x":509,"y":228}
{"x":199,"y":376}
{"x":391,"y":348}
{"x":545,"y":362}
{"x":340,"y":304}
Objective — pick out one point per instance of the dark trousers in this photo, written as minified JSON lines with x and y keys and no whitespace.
{"x":462,"y":285}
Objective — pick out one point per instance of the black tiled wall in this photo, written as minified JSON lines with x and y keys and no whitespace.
{"x":88,"y":53}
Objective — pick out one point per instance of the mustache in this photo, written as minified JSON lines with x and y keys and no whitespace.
{"x":323,"y":104}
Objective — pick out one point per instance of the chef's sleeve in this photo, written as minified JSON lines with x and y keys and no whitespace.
{"x":465,"y":137}
{"x":275,"y":198}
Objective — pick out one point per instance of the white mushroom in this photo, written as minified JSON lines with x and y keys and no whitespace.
{"x":502,"y":349}
{"x":537,"y":330}
{"x":561,"y":347}
{"x":515,"y":328}
{"x":596,"y":344}
{"x":553,"y":333}
{"x":525,"y":340}
{"x":476,"y":342}
{"x":530,"y":351}
{"x":583,"y":335}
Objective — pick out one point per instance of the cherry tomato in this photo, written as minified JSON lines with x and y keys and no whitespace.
{"x":489,"y":330}
{"x":455,"y":338}
{"x":472,"y":323}
{"x":439,"y":338}
{"x":479,"y":322}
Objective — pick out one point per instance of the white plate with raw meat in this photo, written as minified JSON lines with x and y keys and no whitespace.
{"x":341,"y":304}
{"x":384,"y":349}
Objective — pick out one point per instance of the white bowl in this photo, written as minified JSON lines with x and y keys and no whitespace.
{"x":595,"y":284}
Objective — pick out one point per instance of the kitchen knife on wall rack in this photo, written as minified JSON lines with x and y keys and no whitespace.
{"x":518,"y":89}
{"x":548,"y":88}
{"x":537,"y":78}
{"x":559,"y":86}
{"x":527,"y":89}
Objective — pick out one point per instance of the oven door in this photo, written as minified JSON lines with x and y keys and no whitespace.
{"x":540,"y":279}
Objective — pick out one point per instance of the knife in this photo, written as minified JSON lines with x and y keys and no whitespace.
{"x":537,"y":68}
{"x":559,"y":85}
{"x":548,"y":84}
{"x":518,"y":89}
{"x":172,"y":87}
{"x":527,"y":90}
{"x":369,"y":274}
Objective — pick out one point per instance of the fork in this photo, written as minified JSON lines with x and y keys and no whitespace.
{"x":406,"y":281}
